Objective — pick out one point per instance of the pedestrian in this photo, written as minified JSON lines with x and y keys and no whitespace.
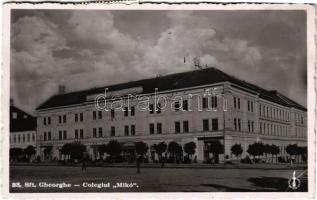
{"x":83,"y":167}
{"x":138,"y":162}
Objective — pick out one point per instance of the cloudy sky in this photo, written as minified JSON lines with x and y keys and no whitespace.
{"x":84,"y":49}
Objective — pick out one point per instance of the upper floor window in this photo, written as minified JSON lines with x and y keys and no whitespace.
{"x":214,"y":102}
{"x":94,"y":115}
{"x":185,"y":126}
{"x":205,"y":102}
{"x":214,"y":124}
{"x":44,"y":120}
{"x":132,"y":129}
{"x":185,"y":104}
{"x":151,"y":108}
{"x":100,"y":132}
{"x":64,"y":119}
{"x":81,"y":133}
{"x":126,"y":111}
{"x":64,"y":135}
{"x":48,"y":120}
{"x":76,"y":133}
{"x":49,"y":136}
{"x":126,"y":130}
{"x":159,"y":128}
{"x":60,"y":135}
{"x":113,"y":131}
{"x":112,"y":114}
{"x":177,"y":106}
{"x":99,"y":114}
{"x":205,"y":125}
{"x":94,"y":132}
{"x":81,"y":117}
{"x":76,"y":117}
{"x":151,"y":129}
{"x":177,"y":127}
{"x":158,"y":108}
{"x":132,"y":111}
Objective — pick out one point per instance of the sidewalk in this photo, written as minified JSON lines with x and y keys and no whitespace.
{"x":263,"y":166}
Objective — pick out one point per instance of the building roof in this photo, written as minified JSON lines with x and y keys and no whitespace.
{"x":170,"y":82}
{"x":21,"y":121}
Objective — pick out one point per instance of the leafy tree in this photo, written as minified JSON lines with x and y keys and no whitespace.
{"x":292,"y":150}
{"x":114,"y":148}
{"x":29,"y":151}
{"x":173,"y":148}
{"x":275,"y":150}
{"x":102,"y":149}
{"x":216,"y":148}
{"x":236,"y":150}
{"x":48,"y":150}
{"x":256,"y":149}
{"x":267,"y":150}
{"x":160,"y":149}
{"x":190,"y":148}
{"x":74,"y":150}
{"x":141,"y":148}
{"x":15,"y":153}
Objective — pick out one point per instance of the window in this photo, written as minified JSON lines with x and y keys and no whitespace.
{"x":158,"y":108}
{"x":45,"y":136}
{"x":239,"y":103}
{"x":76,"y":134}
{"x":126,"y":130}
{"x":132,"y":129}
{"x":44,"y":120}
{"x":205,"y":102}
{"x":177,"y":127}
{"x":49,"y":120}
{"x":28,"y":137}
{"x":113,"y":131}
{"x":260,"y":110}
{"x":249,"y":126}
{"x":23,"y":138}
{"x":60,"y":135}
{"x":99,"y":114}
{"x":239,"y":124}
{"x":132,"y":111}
{"x":159,"y":128}
{"x":185,"y":127}
{"x":112,"y":114}
{"x":65,"y":135}
{"x":94,"y":115}
{"x":151,"y":129}
{"x":14,"y":138}
{"x":100,"y":132}
{"x":235,"y":123}
{"x":302,"y":120}
{"x":81,"y":133}
{"x":19,"y":138}
{"x":60,"y":119}
{"x":64,"y":119}
{"x":260,"y":127}
{"x":205,"y":125}
{"x":214,"y":102}
{"x":76,"y":117}
{"x":94,"y":132}
{"x":151,"y":107}
{"x":49,"y":136}
{"x":126,"y":111}
{"x":234,"y":102}
{"x":185,"y":104}
{"x":248,"y":105}
{"x":214,"y":124}
{"x":252,"y":126}
{"x":81,"y":116}
{"x":177,"y":106}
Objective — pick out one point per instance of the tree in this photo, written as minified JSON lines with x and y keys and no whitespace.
{"x":47,"y":151}
{"x":172,"y":149}
{"x":190,"y":148}
{"x":292,"y":150}
{"x":236,"y":150}
{"x":15,"y":153}
{"x":114,"y":148}
{"x":216,"y":148}
{"x":29,"y":151}
{"x":275,"y":150}
{"x":102,"y":149}
{"x":267,"y":150}
{"x":256,"y":149}
{"x":74,"y":150}
{"x":160,"y":149}
{"x":141,"y":148}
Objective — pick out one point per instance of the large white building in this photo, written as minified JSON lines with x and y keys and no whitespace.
{"x":241,"y":113}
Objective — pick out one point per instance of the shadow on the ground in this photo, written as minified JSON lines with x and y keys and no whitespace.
{"x":223,"y":188}
{"x":273,"y":184}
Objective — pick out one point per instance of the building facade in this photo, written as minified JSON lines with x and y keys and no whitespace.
{"x":22,"y":128}
{"x":201,"y":106}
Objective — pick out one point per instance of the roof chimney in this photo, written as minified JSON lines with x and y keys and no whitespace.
{"x":61,"y":89}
